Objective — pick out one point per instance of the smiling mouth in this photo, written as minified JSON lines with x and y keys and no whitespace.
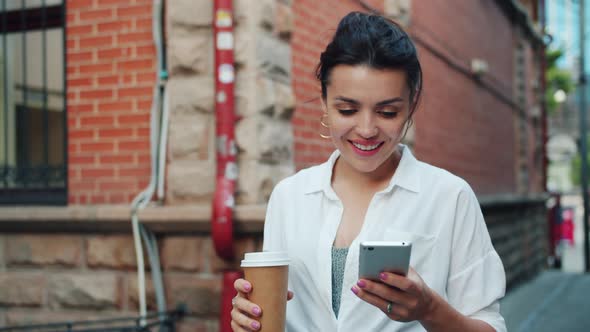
{"x":367,"y":147}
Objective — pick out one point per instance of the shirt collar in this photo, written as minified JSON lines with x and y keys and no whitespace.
{"x":407,"y":175}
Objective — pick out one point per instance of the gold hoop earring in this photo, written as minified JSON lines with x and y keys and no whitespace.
{"x":325,"y":126}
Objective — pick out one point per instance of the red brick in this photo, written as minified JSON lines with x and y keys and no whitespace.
{"x":135,"y":65}
{"x":71,"y":44}
{"x":134,"y":118}
{"x":76,"y":134}
{"x":71,"y":17}
{"x":144,"y":105}
{"x":97,"y":147}
{"x":77,"y":4}
{"x":80,"y":108}
{"x":116,"y":26}
{"x":93,"y":42}
{"x":97,"y":173}
{"x":134,"y":145}
{"x":104,"y":3}
{"x":149,"y":50}
{"x":134,"y":11}
{"x":79,"y":82}
{"x":112,"y":106}
{"x":79,"y":30}
{"x":116,"y":159}
{"x":108,"y":80}
{"x":118,"y":132}
{"x":97,"y":199}
{"x":135,"y":92}
{"x":143,"y":24}
{"x":79,"y":160}
{"x":113,"y":53}
{"x":133,"y":37}
{"x":95,"y":15}
{"x":97,"y":94}
{"x":96,"y":68}
{"x":82,"y":185}
{"x":118,"y":185}
{"x":142,"y":132}
{"x":134,"y":171}
{"x":146,"y":78}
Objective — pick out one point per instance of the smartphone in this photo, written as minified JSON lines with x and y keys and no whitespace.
{"x":383,"y":256}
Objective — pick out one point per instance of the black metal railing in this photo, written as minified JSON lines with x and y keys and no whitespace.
{"x":33,"y":123}
{"x":155,"y":322}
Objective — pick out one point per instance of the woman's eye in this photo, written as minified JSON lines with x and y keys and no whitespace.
{"x":388,"y":115}
{"x":347,"y":111}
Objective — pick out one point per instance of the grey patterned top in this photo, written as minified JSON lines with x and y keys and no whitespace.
{"x":338,"y":262}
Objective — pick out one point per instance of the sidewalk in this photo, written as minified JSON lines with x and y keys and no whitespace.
{"x":553,"y":301}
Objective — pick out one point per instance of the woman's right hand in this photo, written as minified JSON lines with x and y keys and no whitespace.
{"x":245,"y":313}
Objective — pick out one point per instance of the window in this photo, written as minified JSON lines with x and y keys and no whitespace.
{"x":32,"y":102}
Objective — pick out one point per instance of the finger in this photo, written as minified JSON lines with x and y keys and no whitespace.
{"x":290,"y":295}
{"x":242,"y":286}
{"x":245,"y":322}
{"x":378,"y":302}
{"x":246,"y":306}
{"x":398,"y":281}
{"x":237,"y":328}
{"x":384,"y":291}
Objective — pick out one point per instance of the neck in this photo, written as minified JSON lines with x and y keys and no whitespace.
{"x":379,"y":178}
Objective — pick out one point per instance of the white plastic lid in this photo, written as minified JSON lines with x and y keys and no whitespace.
{"x":266,"y":258}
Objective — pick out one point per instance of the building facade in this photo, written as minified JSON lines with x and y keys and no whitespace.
{"x":77,"y":144}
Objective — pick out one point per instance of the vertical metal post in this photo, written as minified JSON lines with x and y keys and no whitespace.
{"x":24,"y":110}
{"x":64,"y":169}
{"x":5,"y":78}
{"x":583,"y":136}
{"x":45,"y":168}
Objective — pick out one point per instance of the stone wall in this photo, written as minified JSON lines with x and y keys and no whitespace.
{"x":48,"y":278}
{"x":264,"y":99}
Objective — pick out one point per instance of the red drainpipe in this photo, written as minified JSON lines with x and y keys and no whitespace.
{"x":223,"y":199}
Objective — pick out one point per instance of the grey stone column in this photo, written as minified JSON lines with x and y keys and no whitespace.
{"x":264,"y":99}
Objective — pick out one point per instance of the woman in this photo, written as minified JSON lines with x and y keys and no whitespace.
{"x":372,"y":188}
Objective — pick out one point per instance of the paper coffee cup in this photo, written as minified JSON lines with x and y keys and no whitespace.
{"x":268,"y":272}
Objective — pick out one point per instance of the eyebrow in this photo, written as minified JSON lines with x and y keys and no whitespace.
{"x":381,"y":103}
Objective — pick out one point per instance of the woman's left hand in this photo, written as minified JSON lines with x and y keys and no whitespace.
{"x":401,"y":298}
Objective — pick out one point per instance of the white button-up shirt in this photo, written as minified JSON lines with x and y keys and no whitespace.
{"x":437,"y":211}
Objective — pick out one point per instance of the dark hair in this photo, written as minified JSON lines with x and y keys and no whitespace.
{"x":375,"y":41}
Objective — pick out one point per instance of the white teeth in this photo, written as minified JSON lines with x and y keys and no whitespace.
{"x":366,"y":147}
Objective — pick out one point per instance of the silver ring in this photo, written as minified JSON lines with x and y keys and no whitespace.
{"x":389,"y":305}
{"x":233,"y":301}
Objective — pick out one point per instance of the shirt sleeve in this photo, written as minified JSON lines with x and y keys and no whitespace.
{"x":273,"y":235}
{"x":477,"y":280}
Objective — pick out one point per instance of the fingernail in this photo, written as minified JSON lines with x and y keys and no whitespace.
{"x":361,"y":284}
{"x":247,"y":287}
{"x":354,"y":290}
{"x":383,"y":276}
{"x":256,"y":311}
{"x":255,"y":325}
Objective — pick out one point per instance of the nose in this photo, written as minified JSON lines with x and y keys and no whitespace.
{"x":366,"y":127}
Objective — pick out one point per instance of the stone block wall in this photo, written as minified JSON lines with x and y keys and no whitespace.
{"x":264,"y":99}
{"x":48,"y":278}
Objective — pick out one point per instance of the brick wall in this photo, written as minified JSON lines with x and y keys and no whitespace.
{"x":461,"y":126}
{"x":315,"y":23}
{"x":71,"y":277}
{"x":110,"y":76}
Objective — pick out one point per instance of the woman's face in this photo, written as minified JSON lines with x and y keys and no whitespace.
{"x":367,"y":110}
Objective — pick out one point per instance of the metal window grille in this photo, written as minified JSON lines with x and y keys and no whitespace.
{"x":33,"y":147}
